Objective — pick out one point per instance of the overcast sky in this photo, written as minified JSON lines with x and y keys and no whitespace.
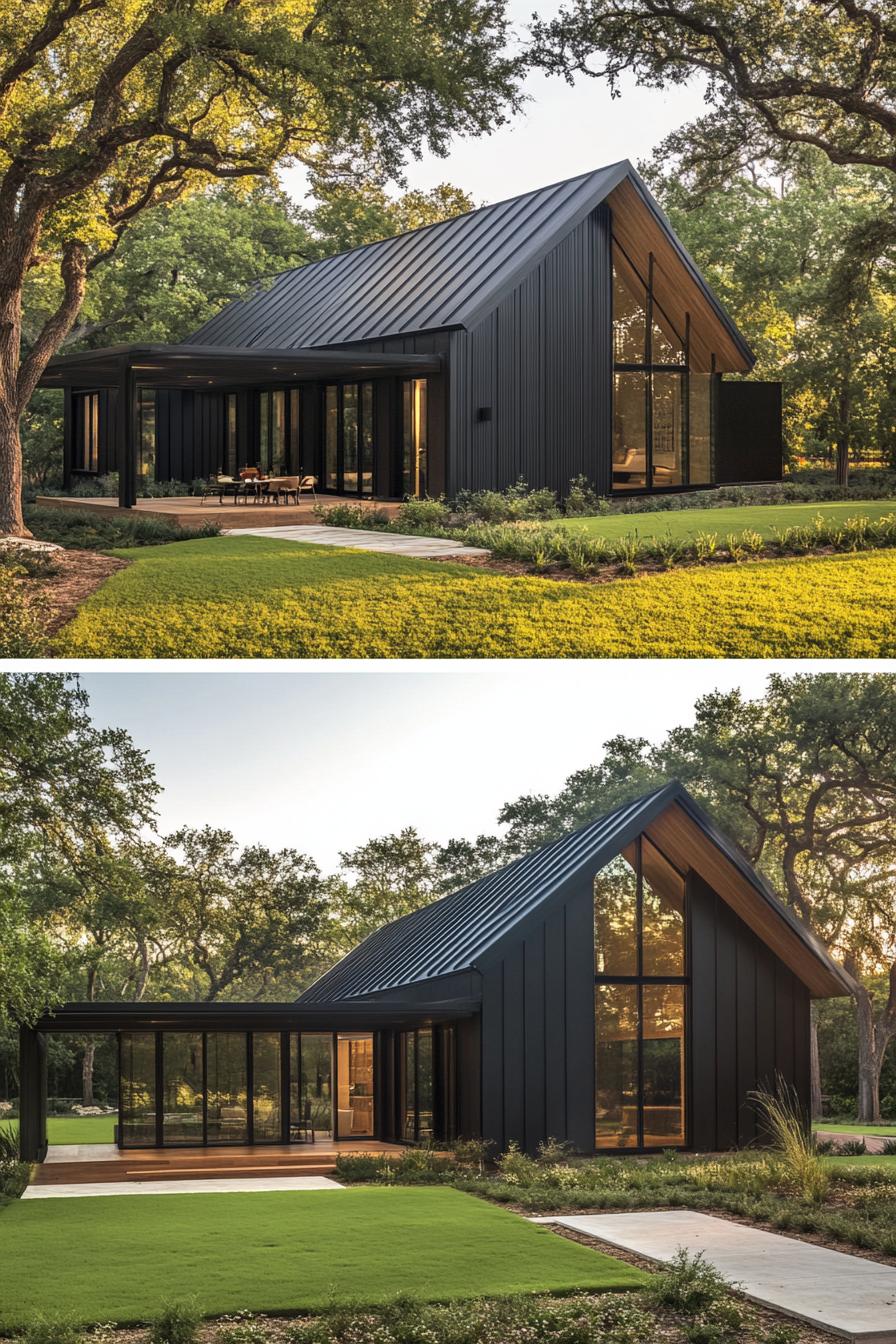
{"x":563,"y":131}
{"x":324,"y":760}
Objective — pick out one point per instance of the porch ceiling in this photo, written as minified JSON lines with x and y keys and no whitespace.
{"x":198,"y":366}
{"x":250,"y":1016}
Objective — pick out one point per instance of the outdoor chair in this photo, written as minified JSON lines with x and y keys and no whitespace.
{"x":220,"y":486}
{"x":304,"y":1128}
{"x":307,"y":485}
{"x":285,"y":486}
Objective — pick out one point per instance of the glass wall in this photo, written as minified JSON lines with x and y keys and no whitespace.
{"x":417,"y":1085}
{"x":272,"y":432}
{"x":311,"y":1086}
{"x":182,"y":1088}
{"x":662,"y":432}
{"x":146,"y":411}
{"x":137,"y":1089}
{"x":354,"y":1073}
{"x":349,"y":437}
{"x":266,"y":1087}
{"x":230,"y":440}
{"x":86,"y":454}
{"x":415,"y":441}
{"x":227,"y":1087}
{"x":639,"y":1000}
{"x":297,"y":464}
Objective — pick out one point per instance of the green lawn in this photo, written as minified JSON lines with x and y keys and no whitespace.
{"x":78,"y":1128}
{"x":254,"y":597}
{"x":119,"y":1258}
{"x":682,"y":523}
{"x":847,"y":1127}
{"x":885,"y":1165}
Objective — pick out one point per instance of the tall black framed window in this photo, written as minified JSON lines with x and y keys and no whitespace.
{"x":86,"y":456}
{"x":662,"y":407}
{"x":415,"y":437}
{"x":418,"y":1085}
{"x":349,"y":438}
{"x":272,"y":431}
{"x":146,"y":410}
{"x":640,"y":1001}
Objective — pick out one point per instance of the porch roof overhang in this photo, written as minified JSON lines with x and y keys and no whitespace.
{"x":198,"y":366}
{"x":351,"y":1016}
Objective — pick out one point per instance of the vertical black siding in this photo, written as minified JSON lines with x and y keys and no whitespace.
{"x":537,"y":370}
{"x":749,"y":1021}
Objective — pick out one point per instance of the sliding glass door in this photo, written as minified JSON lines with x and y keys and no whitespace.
{"x":640,"y":1000}
{"x":354,"y":1085}
{"x":349,"y":439}
{"x":415,"y":438}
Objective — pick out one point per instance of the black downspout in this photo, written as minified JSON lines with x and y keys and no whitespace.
{"x":126,"y":436}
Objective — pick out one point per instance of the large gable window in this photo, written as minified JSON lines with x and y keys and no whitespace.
{"x":640,"y":989}
{"x":661,"y":423}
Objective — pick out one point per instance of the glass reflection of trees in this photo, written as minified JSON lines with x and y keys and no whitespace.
{"x":639,"y":965}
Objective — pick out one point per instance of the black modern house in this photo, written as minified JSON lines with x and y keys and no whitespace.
{"x":563,"y":333}
{"x":623,"y":988}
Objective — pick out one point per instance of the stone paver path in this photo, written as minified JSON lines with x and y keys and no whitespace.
{"x":239,"y":1186}
{"x":359,"y":539}
{"x":841,"y":1293}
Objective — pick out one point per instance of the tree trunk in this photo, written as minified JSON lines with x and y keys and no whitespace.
{"x":814,"y":1066}
{"x":843,"y":430}
{"x":87,"y":1074}
{"x":12,"y":524}
{"x":869,"y":1066}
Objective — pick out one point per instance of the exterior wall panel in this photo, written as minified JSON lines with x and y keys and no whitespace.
{"x":539,"y":364}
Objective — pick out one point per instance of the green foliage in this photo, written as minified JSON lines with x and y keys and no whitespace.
{"x":51,"y":1330}
{"x":351,"y":515}
{"x":91,"y":531}
{"x":690,"y":1285}
{"x":783,"y":1118}
{"x":13,"y":1173}
{"x":612,"y":1318}
{"x":176,"y":1323}
{"x":260,"y":597}
{"x":852,"y":1148}
{"x":22,"y":614}
{"x":422,"y":515}
{"x":350,"y":214}
{"x":582,"y":498}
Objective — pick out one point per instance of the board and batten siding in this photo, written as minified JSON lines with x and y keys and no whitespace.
{"x":538,"y":369}
{"x":749,"y":1019}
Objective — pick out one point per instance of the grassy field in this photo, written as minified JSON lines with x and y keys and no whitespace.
{"x":254,"y":597}
{"x":764,"y":518}
{"x":847,"y":1127}
{"x":78,"y":1128}
{"x":886,"y":1166}
{"x":120,"y":1258}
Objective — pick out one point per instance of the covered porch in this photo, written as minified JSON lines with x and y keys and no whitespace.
{"x":365,"y":424}
{"x":192,"y":511}
{"x":253,"y":1085}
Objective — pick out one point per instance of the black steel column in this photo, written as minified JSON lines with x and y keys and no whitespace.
{"x":32,"y":1095}
{"x":68,"y":436}
{"x":126,"y":436}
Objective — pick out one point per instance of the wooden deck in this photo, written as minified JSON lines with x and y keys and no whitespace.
{"x":190,"y":511}
{"x":96,"y":1162}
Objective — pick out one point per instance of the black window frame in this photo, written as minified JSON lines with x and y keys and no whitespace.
{"x":80,"y":400}
{"x":641,"y":981}
{"x":339,"y":385}
{"x":649,"y":367}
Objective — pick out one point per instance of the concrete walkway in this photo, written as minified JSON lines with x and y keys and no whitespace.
{"x":244,"y":1186}
{"x":844,"y":1294}
{"x":358,"y":539}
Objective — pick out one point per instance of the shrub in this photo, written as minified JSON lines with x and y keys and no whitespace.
{"x":51,"y":1330}
{"x":516,"y":1167}
{"x":472,"y":1154}
{"x":690,"y":1285}
{"x":22,"y":616}
{"x":422,"y":515}
{"x":782,"y":1115}
{"x":582,"y":498}
{"x":90,"y":531}
{"x":350,"y":515}
{"x":853,"y":1148}
{"x":705,"y":545}
{"x":176,"y":1323}
{"x":628,"y":551}
{"x":555,"y":1150}
{"x":9,"y":1145}
{"x":889,"y":1148}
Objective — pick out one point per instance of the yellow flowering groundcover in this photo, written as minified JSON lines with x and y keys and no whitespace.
{"x":254,"y":597}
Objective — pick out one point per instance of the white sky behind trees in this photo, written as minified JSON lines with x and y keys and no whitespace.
{"x":563,"y":130}
{"x":324,"y":760}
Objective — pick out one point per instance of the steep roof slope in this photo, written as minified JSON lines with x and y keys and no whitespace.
{"x":454,"y":933}
{"x":429,"y":278}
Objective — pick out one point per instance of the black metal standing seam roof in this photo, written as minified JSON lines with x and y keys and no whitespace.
{"x":434,"y":277}
{"x":453,"y":933}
